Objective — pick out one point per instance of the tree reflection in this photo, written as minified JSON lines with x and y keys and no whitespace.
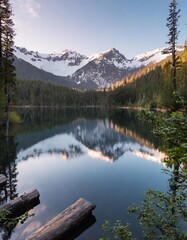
{"x":9,"y":169}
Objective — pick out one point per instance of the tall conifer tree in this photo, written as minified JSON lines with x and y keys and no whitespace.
{"x":7,"y":84}
{"x":9,"y":67}
{"x":172,"y":24}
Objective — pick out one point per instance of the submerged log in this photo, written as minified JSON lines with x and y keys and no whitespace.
{"x":3,"y":179}
{"x":22,"y":204}
{"x":64,"y":223}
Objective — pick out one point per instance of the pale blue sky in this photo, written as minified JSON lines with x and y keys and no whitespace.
{"x":92,"y":26}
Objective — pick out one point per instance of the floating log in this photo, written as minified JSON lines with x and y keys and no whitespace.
{"x":84,"y":225}
{"x":3,"y":179}
{"x":64,"y":223}
{"x":22,"y":204}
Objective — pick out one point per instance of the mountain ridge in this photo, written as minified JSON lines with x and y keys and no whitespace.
{"x":76,"y":70}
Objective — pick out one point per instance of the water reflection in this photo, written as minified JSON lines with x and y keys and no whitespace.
{"x":57,"y":151}
{"x":8,"y":168}
{"x":64,"y":145}
{"x":95,"y":138}
{"x":42,"y":124}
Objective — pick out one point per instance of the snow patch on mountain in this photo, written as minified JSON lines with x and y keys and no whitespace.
{"x":154,"y":56}
{"x":63,"y":64}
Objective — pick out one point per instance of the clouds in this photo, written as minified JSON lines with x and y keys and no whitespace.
{"x":30,"y":8}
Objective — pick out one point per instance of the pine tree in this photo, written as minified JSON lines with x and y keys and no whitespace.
{"x":7,"y":84}
{"x":9,"y":68}
{"x":172,"y":24}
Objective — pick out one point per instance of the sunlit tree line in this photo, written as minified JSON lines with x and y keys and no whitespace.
{"x":154,"y":85}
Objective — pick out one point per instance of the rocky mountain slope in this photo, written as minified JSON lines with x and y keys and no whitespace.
{"x":79,"y":71}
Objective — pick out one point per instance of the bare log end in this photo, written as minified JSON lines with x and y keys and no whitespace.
{"x":65,"y":223}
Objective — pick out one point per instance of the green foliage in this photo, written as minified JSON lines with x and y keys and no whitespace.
{"x":172,"y":129}
{"x":161,"y":215}
{"x":117,"y":230}
{"x":153,"y":105}
{"x":7,"y":69}
{"x":14,"y":117}
{"x":7,"y":222}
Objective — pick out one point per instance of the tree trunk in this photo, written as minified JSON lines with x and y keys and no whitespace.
{"x":174,"y":67}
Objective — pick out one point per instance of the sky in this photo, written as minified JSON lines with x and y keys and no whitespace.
{"x":93,"y":26}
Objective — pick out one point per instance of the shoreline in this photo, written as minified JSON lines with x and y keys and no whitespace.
{"x":101,"y":107}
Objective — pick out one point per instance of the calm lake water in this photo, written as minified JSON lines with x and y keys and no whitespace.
{"x":109,"y":158}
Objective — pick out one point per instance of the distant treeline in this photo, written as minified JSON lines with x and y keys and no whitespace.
{"x":39,"y":93}
{"x":151,"y":86}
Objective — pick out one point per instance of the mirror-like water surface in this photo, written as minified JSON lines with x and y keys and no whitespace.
{"x":109,"y":158}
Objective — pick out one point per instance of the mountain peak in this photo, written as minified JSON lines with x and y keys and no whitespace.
{"x":110,"y":53}
{"x":114,"y":50}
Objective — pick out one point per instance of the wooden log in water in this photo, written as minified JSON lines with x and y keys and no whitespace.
{"x":3,"y":179}
{"x":65,"y":222}
{"x":84,"y":225}
{"x":22,"y":204}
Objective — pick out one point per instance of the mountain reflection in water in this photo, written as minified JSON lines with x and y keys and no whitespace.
{"x":67,"y":154}
{"x":95,"y":138}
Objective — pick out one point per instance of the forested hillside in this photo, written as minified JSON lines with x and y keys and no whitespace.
{"x":151,"y":86}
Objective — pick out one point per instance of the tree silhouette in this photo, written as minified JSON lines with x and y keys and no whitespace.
{"x":7,"y":70}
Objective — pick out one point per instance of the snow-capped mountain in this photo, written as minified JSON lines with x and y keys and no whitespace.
{"x":112,"y":56}
{"x":62,"y":64}
{"x":103,"y":69}
{"x":154,"y":56}
{"x":80,"y":71}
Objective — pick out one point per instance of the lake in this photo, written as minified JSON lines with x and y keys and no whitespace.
{"x":107,"y":157}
